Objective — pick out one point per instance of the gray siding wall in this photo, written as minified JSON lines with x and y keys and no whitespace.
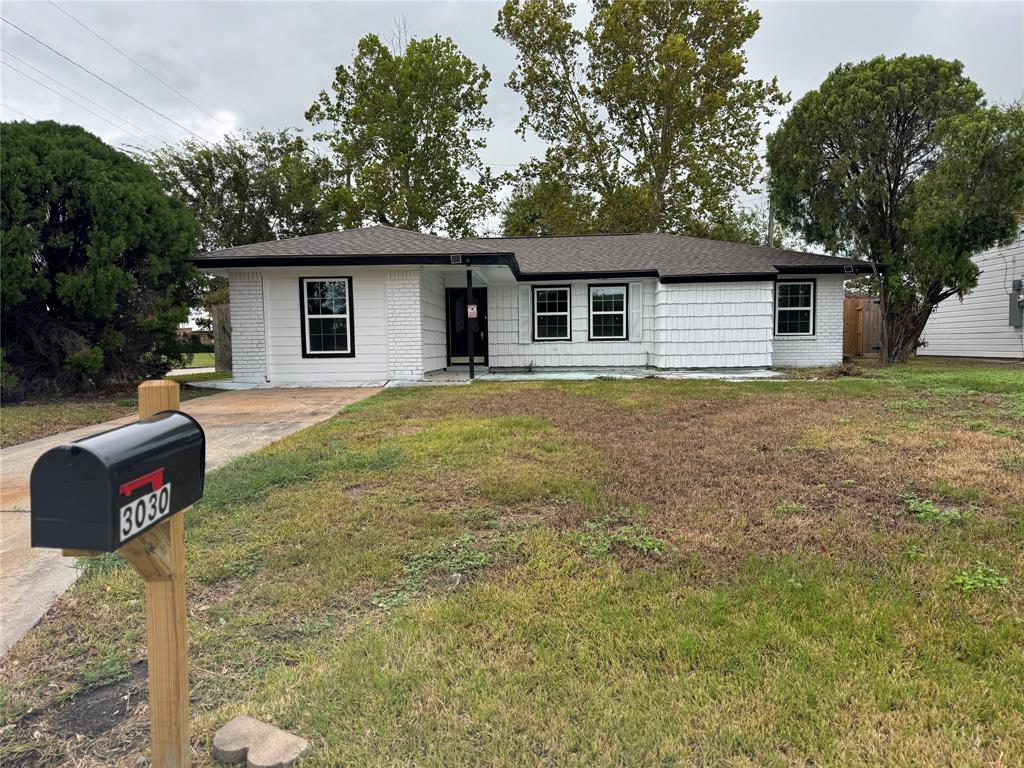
{"x":713,"y":325}
{"x":979,"y":325}
{"x":510,"y":329}
{"x":433,"y":323}
{"x":825,"y":347}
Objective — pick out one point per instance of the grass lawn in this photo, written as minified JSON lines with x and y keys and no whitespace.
{"x":200,"y":360}
{"x":31,"y":420}
{"x":609,"y":573}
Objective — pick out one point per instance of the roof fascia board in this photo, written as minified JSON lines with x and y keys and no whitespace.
{"x":466,"y":259}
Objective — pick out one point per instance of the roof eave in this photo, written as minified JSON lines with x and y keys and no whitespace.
{"x":350,"y":260}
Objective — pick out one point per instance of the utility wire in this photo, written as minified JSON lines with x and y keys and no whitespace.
{"x":76,"y":103}
{"x":81,"y":95}
{"x":149,"y":72}
{"x":104,"y":80}
{"x":15,"y":111}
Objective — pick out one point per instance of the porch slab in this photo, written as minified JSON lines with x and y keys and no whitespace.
{"x":589,"y":374}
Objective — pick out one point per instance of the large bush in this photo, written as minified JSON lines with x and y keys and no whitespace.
{"x":94,"y":262}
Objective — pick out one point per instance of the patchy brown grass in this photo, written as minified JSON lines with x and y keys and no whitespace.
{"x":361,"y":580}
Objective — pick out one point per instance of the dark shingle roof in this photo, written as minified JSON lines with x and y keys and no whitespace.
{"x":667,"y":256}
{"x":368,"y":241}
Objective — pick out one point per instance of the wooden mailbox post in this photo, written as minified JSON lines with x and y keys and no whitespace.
{"x":148,"y":530}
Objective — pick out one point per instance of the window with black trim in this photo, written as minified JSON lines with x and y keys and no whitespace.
{"x":608,"y":312}
{"x":551,"y":314}
{"x":794,"y":308}
{"x":326,"y":316}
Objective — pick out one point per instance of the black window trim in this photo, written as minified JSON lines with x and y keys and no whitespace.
{"x":814,"y":307}
{"x":351,"y":317}
{"x":568,"y":312}
{"x":625,"y":311}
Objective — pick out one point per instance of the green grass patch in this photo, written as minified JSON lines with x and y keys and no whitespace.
{"x":199,"y":360}
{"x":601,"y":538}
{"x":927,"y":511}
{"x":979,"y":576}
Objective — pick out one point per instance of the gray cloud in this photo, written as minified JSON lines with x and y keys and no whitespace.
{"x":262,"y":64}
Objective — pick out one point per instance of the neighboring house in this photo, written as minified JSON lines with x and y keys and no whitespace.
{"x":378,"y":304}
{"x":987,"y":322}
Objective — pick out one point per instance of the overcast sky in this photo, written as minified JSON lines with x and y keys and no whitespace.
{"x":261,"y":64}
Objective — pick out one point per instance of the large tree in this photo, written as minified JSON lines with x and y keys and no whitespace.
{"x":901,"y":162}
{"x":249,"y":188}
{"x":648,"y":110}
{"x":95,"y":263}
{"x":406,"y":127}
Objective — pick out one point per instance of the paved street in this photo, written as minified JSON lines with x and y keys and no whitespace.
{"x":235,"y":422}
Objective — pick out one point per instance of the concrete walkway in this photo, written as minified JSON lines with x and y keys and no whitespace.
{"x":236,"y":423}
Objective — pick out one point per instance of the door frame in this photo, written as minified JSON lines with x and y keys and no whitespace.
{"x":448,"y":330}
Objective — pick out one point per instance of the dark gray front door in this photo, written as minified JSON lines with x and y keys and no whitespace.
{"x":459,"y":326}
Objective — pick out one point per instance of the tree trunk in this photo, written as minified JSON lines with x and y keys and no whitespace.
{"x":221,"y":315}
{"x":901,"y":331}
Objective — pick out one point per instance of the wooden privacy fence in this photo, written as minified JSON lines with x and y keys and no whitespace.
{"x":862,"y":326}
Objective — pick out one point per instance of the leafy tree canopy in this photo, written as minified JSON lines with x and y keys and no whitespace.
{"x":901,"y":162}
{"x":94,"y":261}
{"x":406,"y":129}
{"x":250,"y":188}
{"x":253,"y":187}
{"x":647,"y":111}
{"x":544,"y":204}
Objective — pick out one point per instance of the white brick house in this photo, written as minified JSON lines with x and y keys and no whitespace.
{"x":382,"y":304}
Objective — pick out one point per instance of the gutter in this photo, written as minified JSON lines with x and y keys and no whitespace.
{"x":509,"y":260}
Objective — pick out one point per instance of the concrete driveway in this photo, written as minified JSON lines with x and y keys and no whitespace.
{"x":236,"y":423}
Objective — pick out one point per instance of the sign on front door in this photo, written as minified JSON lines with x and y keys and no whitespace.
{"x":471,"y":311}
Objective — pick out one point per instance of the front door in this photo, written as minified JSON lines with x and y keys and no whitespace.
{"x":459,"y":323}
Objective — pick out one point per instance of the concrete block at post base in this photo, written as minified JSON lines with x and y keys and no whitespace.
{"x":257,"y":744}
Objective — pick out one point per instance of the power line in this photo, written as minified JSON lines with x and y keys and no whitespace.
{"x":15,"y":111}
{"x":81,"y":95}
{"x":103,"y":80}
{"x":76,"y":103}
{"x":149,"y":72}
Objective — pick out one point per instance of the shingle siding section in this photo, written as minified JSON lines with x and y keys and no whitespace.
{"x":248,"y":330}
{"x":404,"y":322}
{"x":506,"y":349}
{"x":713,"y":325}
{"x":825,"y":347}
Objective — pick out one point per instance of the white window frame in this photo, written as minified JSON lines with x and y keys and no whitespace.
{"x":567,"y":314}
{"x":809,"y":307}
{"x":624,"y":311}
{"x":349,"y":351}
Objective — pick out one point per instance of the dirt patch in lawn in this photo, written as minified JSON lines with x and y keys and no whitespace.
{"x":771,"y":473}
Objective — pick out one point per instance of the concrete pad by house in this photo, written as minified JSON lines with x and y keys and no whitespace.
{"x":236,"y":423}
{"x":258,"y":744}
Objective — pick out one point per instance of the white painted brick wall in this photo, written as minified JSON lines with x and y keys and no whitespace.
{"x":248,"y":331}
{"x":825,"y":347}
{"x":404,"y":323}
{"x":713,"y":325}
{"x":433,"y":321}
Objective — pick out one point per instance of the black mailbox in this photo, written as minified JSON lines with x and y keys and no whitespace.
{"x":99,"y":492}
